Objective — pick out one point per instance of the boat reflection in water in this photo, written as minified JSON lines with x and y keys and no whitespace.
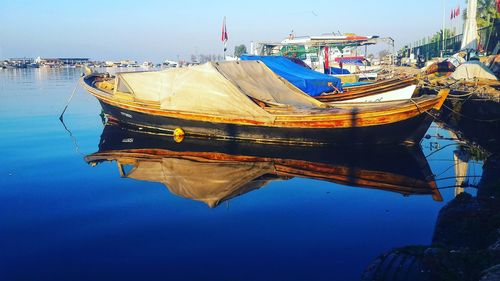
{"x":214,"y":171}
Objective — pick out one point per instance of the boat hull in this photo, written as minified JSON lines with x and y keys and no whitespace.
{"x":408,"y":131}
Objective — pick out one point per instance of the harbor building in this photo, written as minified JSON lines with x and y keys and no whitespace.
{"x":61,"y":61}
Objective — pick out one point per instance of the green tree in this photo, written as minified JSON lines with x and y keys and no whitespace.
{"x":239,"y":50}
{"x":437,"y":36}
{"x":486,"y":12}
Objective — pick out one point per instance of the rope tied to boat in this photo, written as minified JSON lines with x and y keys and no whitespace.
{"x":434,"y":116}
{"x":416,"y":105}
{"x":69,"y":100}
{"x":470,"y":118}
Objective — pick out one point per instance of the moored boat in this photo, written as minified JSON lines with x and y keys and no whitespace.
{"x":247,"y":101}
{"x":386,"y":90}
{"x":327,"y":88}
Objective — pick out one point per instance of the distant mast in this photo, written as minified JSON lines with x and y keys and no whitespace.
{"x":470,"y":37}
{"x":224,"y":36}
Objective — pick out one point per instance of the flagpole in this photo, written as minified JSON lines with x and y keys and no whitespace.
{"x":444,"y":14}
{"x":224,"y":37}
{"x":223,"y":42}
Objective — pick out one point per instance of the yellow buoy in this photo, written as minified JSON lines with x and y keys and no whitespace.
{"x":178,"y":135}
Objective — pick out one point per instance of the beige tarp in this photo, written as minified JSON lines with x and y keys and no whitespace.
{"x":215,"y":89}
{"x":255,"y":79}
{"x":471,"y":70}
{"x":209,"y":182}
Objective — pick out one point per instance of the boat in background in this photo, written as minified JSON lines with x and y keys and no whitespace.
{"x":327,"y":88}
{"x":247,"y":101}
{"x":307,"y":80}
{"x":215,"y":171}
{"x":325,"y":51}
{"x":381,"y":91}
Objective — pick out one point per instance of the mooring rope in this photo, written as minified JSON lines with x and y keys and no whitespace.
{"x":454,"y":177}
{"x":470,"y":118}
{"x":439,"y":149}
{"x":69,"y":100}
{"x":416,"y":105}
{"x":455,"y":186}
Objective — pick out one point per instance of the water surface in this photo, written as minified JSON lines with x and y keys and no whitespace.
{"x":63,"y":219}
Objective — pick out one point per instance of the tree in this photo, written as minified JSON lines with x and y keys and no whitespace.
{"x":239,"y":50}
{"x":486,"y":12}
{"x":437,"y":36}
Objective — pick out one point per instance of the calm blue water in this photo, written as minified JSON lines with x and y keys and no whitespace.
{"x":62,"y":219}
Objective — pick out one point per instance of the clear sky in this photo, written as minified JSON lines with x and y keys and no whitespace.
{"x":158,"y":30}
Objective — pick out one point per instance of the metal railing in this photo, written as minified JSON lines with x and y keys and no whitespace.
{"x":488,"y":37}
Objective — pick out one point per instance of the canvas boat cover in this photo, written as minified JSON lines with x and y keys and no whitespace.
{"x":338,"y":70}
{"x":209,"y":182}
{"x":218,"y":89}
{"x":350,"y":60}
{"x":471,"y":70}
{"x":309,"y":81}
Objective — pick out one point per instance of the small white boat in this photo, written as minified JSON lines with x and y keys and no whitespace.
{"x":391,"y":95}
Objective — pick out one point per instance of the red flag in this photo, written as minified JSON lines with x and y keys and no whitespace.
{"x":224,"y":31}
{"x":457,"y":11}
{"x":498,"y":6}
{"x":327,"y":60}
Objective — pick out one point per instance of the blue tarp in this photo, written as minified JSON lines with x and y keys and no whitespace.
{"x":355,"y":61}
{"x":338,"y":70}
{"x":359,"y":83}
{"x":309,"y":81}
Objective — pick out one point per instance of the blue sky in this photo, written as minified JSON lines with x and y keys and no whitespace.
{"x":159,"y":30}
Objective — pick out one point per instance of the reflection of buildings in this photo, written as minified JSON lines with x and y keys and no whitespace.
{"x":212,"y":172}
{"x":461,"y":163}
{"x":474,"y":119}
{"x":465,"y":246}
{"x":466,"y":241}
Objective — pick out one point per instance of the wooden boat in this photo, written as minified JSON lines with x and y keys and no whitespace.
{"x":247,"y":101}
{"x":386,"y":90}
{"x":215,"y":171}
{"x":328,"y":88}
